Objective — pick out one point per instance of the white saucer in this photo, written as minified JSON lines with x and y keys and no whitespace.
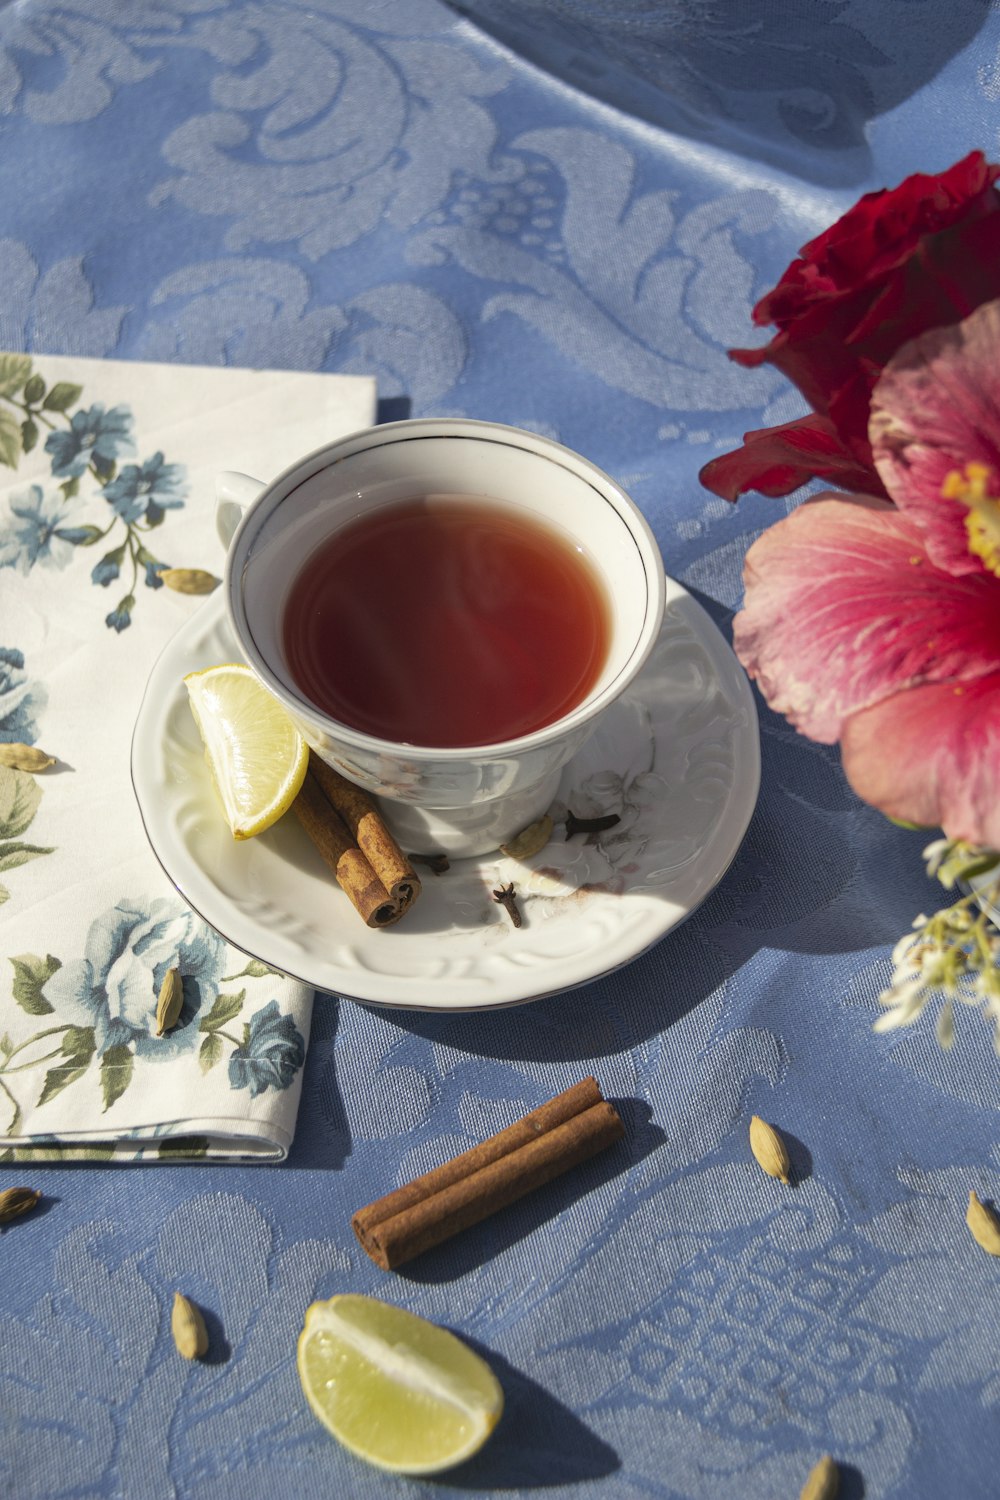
{"x":678,"y":758}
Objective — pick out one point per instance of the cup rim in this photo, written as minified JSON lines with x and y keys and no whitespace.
{"x":326,"y":456}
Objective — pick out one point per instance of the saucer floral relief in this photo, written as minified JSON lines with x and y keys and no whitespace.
{"x":675,"y":761}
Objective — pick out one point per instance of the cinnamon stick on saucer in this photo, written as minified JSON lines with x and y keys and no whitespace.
{"x":364,"y":823}
{"x":573,"y":1126}
{"x":342,"y":856}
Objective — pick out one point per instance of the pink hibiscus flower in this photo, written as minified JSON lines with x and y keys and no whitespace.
{"x":878,"y":625}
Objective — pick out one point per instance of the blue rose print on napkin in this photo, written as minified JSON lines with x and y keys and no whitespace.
{"x":145,"y":491}
{"x":94,"y":438}
{"x":101,"y":1008}
{"x":45,"y":521}
{"x":20,"y":699}
{"x":271,"y":1054}
{"x":128,"y":952}
{"x":39,"y":533}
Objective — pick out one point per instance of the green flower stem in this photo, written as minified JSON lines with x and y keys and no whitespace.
{"x":234,"y":1040}
{"x":981,"y":938}
{"x":955,"y":945}
{"x":133,"y":552}
{"x":16,"y":1120}
{"x":955,"y":953}
{"x":29,"y":411}
{"x":50,"y":1031}
{"x":35,"y":1063}
{"x":38,"y":415}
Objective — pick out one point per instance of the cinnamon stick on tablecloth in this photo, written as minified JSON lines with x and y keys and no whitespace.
{"x":342,"y":856}
{"x":573,"y":1126}
{"x":364,"y":822}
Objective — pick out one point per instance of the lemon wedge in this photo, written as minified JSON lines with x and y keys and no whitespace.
{"x":396,"y":1390}
{"x":256,"y":755}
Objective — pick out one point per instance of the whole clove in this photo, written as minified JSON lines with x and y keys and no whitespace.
{"x":589,"y":825}
{"x":436,"y":863}
{"x":506,"y":897}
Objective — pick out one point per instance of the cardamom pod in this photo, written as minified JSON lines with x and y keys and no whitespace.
{"x":769,"y":1149}
{"x":189,"y":580}
{"x":188,"y":1328}
{"x":983,"y":1225}
{"x":823,"y":1482}
{"x":529,"y":840}
{"x":16,"y":1201}
{"x":25,"y":757}
{"x":169,"y":1001}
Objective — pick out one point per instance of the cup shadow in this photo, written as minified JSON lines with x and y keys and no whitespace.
{"x":805,"y":109}
{"x":797,"y":883}
{"x":393,"y":409}
{"x":793,"y":878}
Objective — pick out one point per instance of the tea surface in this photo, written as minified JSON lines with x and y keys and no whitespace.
{"x":446,"y":622}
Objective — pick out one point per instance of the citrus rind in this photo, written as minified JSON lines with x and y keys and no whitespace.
{"x":256,"y":755}
{"x":396,"y":1390}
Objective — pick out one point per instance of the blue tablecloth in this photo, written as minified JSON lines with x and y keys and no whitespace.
{"x":558,"y":216}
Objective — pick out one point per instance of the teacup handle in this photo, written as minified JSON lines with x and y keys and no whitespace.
{"x":233,"y":493}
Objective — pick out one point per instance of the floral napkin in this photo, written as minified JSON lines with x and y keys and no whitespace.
{"x":107,"y":480}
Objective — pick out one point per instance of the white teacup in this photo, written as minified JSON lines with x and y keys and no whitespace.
{"x":463,"y":801}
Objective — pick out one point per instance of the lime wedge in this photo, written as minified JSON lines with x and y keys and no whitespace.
{"x":396,"y":1390}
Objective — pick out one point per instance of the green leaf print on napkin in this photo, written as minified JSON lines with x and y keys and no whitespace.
{"x":117,"y":1065}
{"x":86,"y":447}
{"x":15,"y":369}
{"x":20,"y":795}
{"x":77,"y":1047}
{"x":30,"y":977}
{"x":225,"y":1009}
{"x":100,"y":1012}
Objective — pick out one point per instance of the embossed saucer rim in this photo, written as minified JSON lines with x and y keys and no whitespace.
{"x":470,"y":962}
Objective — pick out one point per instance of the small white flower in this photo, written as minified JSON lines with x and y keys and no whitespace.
{"x":903,"y":949}
{"x":953,"y":954}
{"x":907,"y":1000}
{"x":935,"y":853}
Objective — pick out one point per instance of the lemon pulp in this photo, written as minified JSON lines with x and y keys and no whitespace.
{"x":395,"y":1389}
{"x":257,"y":757}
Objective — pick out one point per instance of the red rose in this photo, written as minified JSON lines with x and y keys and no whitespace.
{"x":900,"y":262}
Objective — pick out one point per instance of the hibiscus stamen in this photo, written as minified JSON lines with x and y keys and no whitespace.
{"x":972,"y":487}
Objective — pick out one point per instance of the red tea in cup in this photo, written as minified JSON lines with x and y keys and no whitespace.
{"x":446,"y":621}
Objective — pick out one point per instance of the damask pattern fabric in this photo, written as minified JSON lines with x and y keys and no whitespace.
{"x":559,"y":216}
